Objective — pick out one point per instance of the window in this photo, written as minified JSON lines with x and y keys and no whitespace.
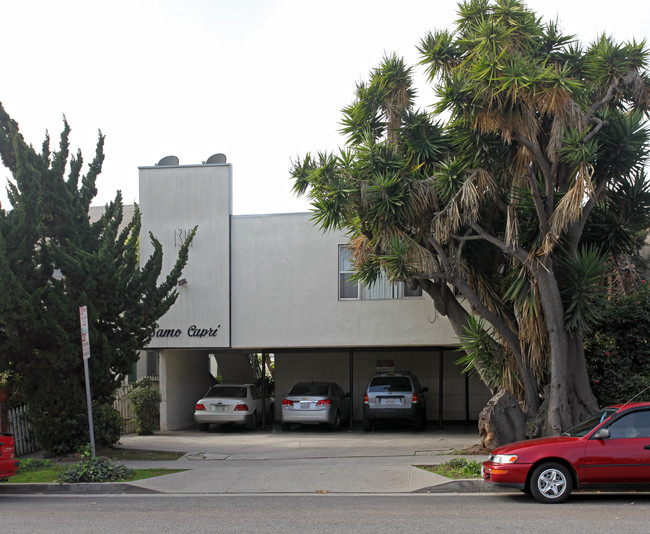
{"x":632,"y":425}
{"x":347,"y":289}
{"x":381,"y":289}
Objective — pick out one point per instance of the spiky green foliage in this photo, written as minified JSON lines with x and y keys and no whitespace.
{"x":539,"y":156}
{"x":53,"y":260}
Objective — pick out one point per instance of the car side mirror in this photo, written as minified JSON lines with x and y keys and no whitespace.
{"x":425,"y":389}
{"x":347,"y":394}
{"x":603,"y":433}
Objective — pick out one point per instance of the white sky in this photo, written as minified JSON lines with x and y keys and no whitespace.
{"x":262,"y":81}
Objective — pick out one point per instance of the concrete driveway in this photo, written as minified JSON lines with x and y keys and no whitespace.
{"x":306,"y":460}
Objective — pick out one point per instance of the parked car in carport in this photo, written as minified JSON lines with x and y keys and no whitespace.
{"x":396,"y":396}
{"x":316,"y":403}
{"x":8,"y":463}
{"x":239,"y":404}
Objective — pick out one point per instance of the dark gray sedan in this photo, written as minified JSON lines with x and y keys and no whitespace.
{"x":311,"y":403}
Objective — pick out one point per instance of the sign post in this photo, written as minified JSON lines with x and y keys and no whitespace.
{"x":85,"y":346}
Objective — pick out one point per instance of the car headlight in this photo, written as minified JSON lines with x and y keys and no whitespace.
{"x":503,"y":458}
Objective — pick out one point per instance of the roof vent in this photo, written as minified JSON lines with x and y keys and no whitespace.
{"x":216,"y":158}
{"x":167,"y":161}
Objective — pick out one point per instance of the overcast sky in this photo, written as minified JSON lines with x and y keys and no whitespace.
{"x":262,"y":81}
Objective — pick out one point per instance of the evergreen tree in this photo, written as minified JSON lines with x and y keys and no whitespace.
{"x":53,"y":260}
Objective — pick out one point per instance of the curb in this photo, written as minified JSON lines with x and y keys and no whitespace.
{"x":464,"y":486}
{"x":80,"y":488}
{"x":98,"y":488}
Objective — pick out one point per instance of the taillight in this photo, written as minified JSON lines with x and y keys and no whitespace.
{"x":241,"y":408}
{"x":365,"y":398}
{"x":324,"y":402}
{"x":199,"y":407}
{"x":415,"y":398}
{"x":287,"y":402}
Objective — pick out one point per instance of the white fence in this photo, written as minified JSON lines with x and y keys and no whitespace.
{"x":124,"y":407}
{"x":20,"y":427}
{"x":23,"y":434}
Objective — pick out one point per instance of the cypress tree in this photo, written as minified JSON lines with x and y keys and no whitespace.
{"x":53,"y":260}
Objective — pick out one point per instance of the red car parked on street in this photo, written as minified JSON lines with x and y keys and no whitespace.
{"x":611,"y":449}
{"x":8,"y":465}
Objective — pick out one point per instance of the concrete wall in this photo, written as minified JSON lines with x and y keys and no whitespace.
{"x":184,"y":379}
{"x":173,"y":200}
{"x":334,"y":366}
{"x":285,"y":293}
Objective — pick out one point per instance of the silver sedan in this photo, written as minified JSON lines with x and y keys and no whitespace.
{"x":314,"y":403}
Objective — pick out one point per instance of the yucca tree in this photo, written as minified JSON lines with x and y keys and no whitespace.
{"x":503,"y":201}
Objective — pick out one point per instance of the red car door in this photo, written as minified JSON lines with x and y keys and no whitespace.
{"x":624,"y":457}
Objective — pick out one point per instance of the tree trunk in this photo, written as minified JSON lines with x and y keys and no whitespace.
{"x":569,"y":398}
{"x":501,"y":421}
{"x":582,"y":400}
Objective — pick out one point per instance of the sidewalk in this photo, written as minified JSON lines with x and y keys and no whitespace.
{"x":302,"y":461}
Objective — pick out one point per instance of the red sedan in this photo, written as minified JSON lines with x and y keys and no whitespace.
{"x":8,"y":465}
{"x":610,"y":449}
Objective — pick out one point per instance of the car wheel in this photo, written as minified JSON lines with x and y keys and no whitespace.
{"x":203,"y":427}
{"x":252,"y":424}
{"x":285,"y":426}
{"x":551,"y":483}
{"x":337,"y":422}
{"x":367,"y":425}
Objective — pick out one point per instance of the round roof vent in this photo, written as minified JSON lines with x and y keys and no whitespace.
{"x":167,"y":161}
{"x":216,"y":158}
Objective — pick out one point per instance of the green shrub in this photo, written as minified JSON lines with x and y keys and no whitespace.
{"x":107,"y":425}
{"x":68,"y":432}
{"x":146,"y":405}
{"x":94,"y":470}
{"x":618,"y":352}
{"x":33,"y":464}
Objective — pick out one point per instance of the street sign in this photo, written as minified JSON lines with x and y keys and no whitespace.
{"x":85,"y":341}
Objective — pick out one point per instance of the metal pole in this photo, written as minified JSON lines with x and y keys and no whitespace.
{"x":263,"y":391}
{"x":85,"y":349}
{"x":90,"y":410}
{"x":351,"y":386}
{"x":440,"y":386}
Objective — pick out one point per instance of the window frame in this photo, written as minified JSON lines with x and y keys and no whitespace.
{"x":397,"y":290}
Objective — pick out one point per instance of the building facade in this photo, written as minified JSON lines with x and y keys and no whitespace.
{"x":277,"y":284}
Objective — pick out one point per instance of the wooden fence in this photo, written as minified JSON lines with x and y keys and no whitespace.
{"x":124,"y":407}
{"x":20,"y":427}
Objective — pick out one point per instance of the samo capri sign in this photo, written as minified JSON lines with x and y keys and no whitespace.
{"x":193,"y":331}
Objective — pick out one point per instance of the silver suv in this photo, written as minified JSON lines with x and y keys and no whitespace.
{"x":394,"y":397}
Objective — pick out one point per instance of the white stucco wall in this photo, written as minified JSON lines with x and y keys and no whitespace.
{"x":285,"y":293}
{"x":173,"y":200}
{"x":184,"y":379}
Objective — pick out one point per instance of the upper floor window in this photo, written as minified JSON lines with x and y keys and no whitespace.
{"x":381,"y":289}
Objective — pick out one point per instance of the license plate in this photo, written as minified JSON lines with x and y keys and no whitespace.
{"x":389,"y":401}
{"x":305,"y":405}
{"x":218,"y":407}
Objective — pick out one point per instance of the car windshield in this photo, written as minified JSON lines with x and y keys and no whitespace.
{"x":381,"y":384}
{"x":314,"y":390}
{"x":237,"y":392}
{"x":589,"y":424}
